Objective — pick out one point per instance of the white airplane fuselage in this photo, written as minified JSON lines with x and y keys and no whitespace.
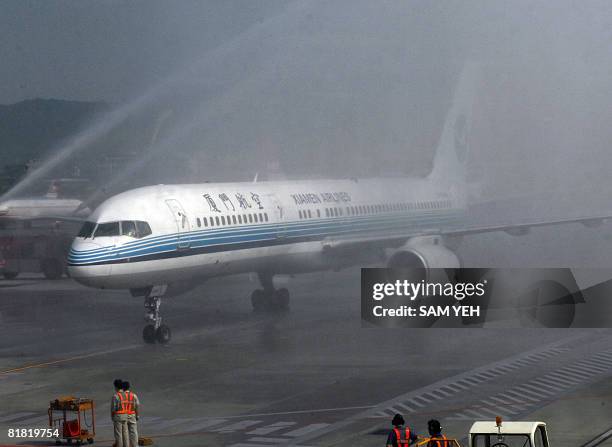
{"x":214,"y":229}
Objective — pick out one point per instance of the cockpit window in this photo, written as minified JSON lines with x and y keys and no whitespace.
{"x":135,"y":229}
{"x":143,"y":228}
{"x":86,"y":230}
{"x":107,"y":229}
{"x":128,"y":228}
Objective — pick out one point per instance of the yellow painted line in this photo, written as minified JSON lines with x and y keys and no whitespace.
{"x":66,"y":360}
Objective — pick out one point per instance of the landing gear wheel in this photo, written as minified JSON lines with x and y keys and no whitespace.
{"x":149,"y":334}
{"x":163,"y":334}
{"x":282,"y":299}
{"x":258,"y":300}
{"x":90,"y":440}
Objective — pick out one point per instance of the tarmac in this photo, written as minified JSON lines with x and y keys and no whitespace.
{"x":311,"y":377}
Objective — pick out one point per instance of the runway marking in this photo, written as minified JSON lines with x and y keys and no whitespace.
{"x":243,"y":444}
{"x":65,"y":360}
{"x":531,"y":390}
{"x":204,"y":424}
{"x":277,"y":426}
{"x":599,"y":439}
{"x":236,"y":426}
{"x":305,"y":430}
{"x":460,"y":380}
{"x":13,"y":417}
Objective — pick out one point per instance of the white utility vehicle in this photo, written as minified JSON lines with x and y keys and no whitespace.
{"x":508,"y":434}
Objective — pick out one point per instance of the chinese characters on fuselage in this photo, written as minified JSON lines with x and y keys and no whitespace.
{"x":243,"y":202}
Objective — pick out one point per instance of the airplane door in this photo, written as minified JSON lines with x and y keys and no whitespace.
{"x":279,"y":216}
{"x":182,"y":222}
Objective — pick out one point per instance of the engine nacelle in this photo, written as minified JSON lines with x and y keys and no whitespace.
{"x":424,"y":253}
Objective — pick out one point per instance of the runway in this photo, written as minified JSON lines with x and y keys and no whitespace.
{"x":312,"y":377}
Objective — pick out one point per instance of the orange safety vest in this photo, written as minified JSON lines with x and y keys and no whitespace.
{"x":398,"y":436}
{"x":126,"y":403}
{"x":437,"y":442}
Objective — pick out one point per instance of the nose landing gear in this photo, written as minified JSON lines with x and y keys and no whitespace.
{"x":268,"y":298}
{"x":155,"y":331}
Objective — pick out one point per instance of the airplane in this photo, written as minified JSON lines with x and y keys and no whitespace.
{"x":154,"y":239}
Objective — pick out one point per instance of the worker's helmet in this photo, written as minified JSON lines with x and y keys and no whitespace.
{"x":398,"y":419}
{"x":434,"y":427}
{"x":126,"y":386}
{"x":118,"y":383}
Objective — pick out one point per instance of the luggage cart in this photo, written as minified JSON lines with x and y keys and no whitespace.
{"x":73,"y":418}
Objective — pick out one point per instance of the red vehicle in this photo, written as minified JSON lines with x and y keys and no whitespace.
{"x":34,"y":246}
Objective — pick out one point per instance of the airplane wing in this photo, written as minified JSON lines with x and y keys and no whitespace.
{"x":399,"y":238}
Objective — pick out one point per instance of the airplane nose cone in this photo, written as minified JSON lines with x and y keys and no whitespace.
{"x":85,"y":264}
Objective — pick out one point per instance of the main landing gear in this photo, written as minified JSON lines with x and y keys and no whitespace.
{"x":268,"y":298}
{"x":155,"y":331}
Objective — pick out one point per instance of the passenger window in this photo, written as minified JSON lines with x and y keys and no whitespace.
{"x":107,"y":229}
{"x":199,"y":222}
{"x":261,"y":217}
{"x":309,"y":214}
{"x":240,"y":218}
{"x":212,"y":221}
{"x":234,"y":219}
{"x":217,"y":220}
{"x":300,"y":213}
{"x":128,"y":228}
{"x":250,"y":218}
{"x":222,"y":220}
{"x":205,"y":221}
{"x":266,"y":216}
{"x":255,"y":217}
{"x":318,"y":213}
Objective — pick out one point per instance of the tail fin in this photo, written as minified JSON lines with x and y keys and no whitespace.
{"x":449,"y":170}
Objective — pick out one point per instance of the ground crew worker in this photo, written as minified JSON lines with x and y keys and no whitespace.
{"x":435,"y":433}
{"x":132,"y":419}
{"x":118,"y":416}
{"x":400,"y":436}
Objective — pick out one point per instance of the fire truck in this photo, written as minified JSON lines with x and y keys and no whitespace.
{"x":35,"y":246}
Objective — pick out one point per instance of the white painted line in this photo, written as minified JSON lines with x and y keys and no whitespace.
{"x":405,"y":409}
{"x":599,"y":439}
{"x":476,"y":414}
{"x":605,"y":364}
{"x":414,"y":403}
{"x":548,"y":384}
{"x":197,"y":426}
{"x":538,"y":390}
{"x":586,"y":372}
{"x":236,"y":426}
{"x":558,"y":377}
{"x":14,"y":416}
{"x":271,"y":428}
{"x":170,"y":423}
{"x":306,"y":430}
{"x":580,"y":377}
{"x":35,"y":420}
{"x":520,"y":396}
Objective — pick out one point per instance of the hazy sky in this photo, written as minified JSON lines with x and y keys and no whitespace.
{"x":329,"y":87}
{"x":84,"y":49}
